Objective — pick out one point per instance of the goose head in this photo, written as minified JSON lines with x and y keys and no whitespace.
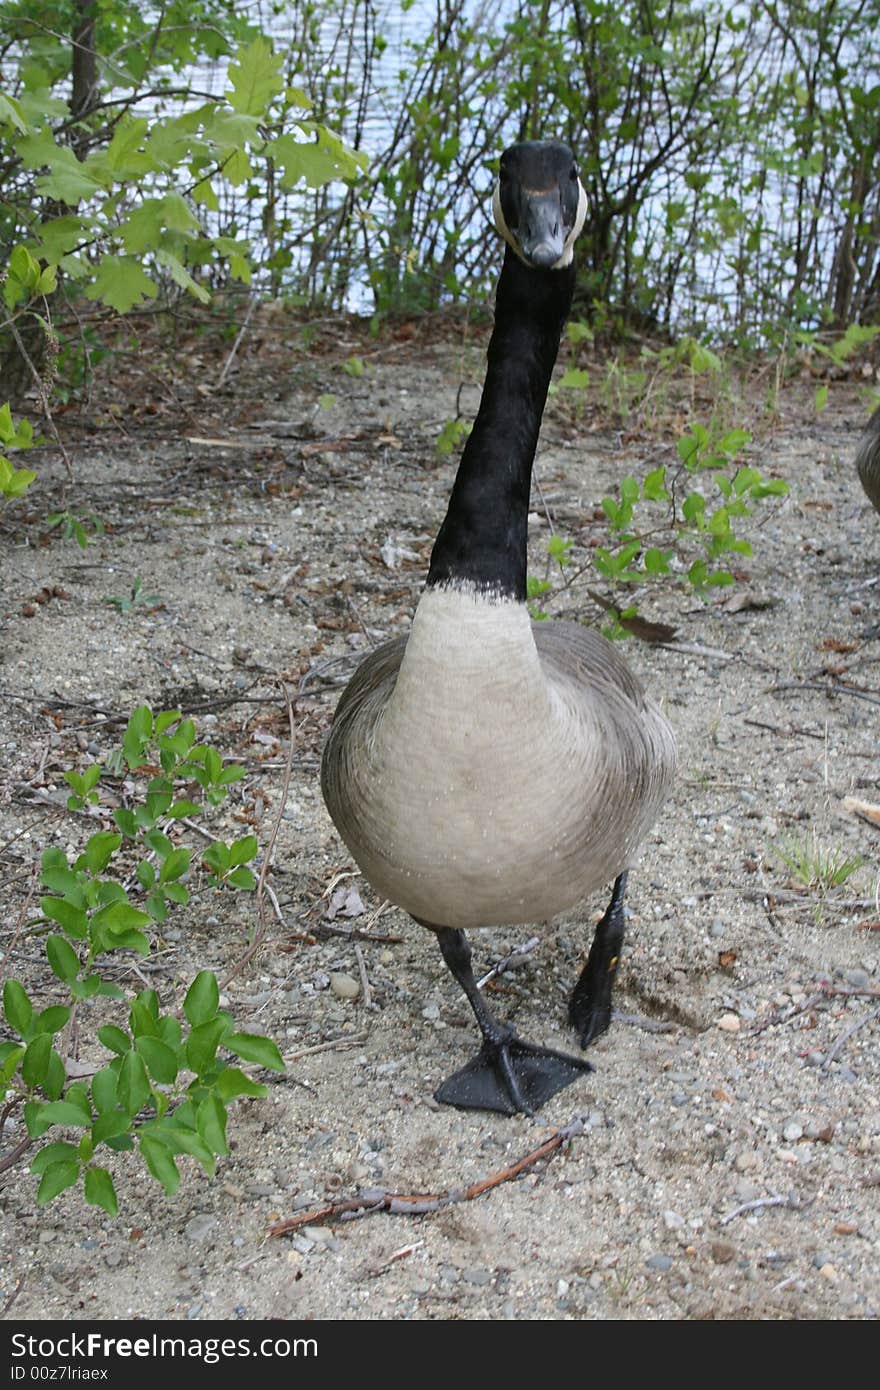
{"x":539,"y":203}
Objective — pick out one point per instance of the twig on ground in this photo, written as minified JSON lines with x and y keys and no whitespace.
{"x":366,"y":992}
{"x":369,"y":1200}
{"x":832,"y":689}
{"x":252,"y":304}
{"x":11,"y":1299}
{"x":779,"y":1019}
{"x":517,"y":956}
{"x":334,"y":1045}
{"x":401,"y":1254}
{"x":792,"y":1202}
{"x":838,"y":1045}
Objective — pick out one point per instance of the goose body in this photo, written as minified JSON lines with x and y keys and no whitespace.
{"x":488,"y":770}
{"x":868,"y":459}
{"x":485,"y":769}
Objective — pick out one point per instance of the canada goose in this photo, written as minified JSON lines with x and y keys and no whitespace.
{"x":487,"y":770}
{"x":868,"y":459}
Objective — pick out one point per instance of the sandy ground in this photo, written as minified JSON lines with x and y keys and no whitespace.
{"x":729,"y":1159}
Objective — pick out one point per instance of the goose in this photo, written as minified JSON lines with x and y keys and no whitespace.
{"x":487,"y":770}
{"x":868,"y":459}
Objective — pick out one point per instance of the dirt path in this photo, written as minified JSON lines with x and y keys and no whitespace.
{"x":730,"y":1160}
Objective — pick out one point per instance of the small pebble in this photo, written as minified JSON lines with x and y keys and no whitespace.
{"x":344,"y":986}
{"x":859,"y":979}
{"x":729,"y":1023}
{"x":746,"y":1161}
{"x":431,"y":1011}
{"x":722,"y":1252}
{"x":672,"y":1221}
{"x":792,"y":1131}
{"x":199,"y":1227}
{"x":477,"y":1276}
{"x":319,"y":1235}
{"x":659,"y":1262}
{"x":112,"y":1259}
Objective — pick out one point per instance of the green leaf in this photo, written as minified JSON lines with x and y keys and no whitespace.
{"x":55,"y":1179}
{"x":202,"y":1043}
{"x":242,"y":878}
{"x":126,"y":821}
{"x":56,"y":1076}
{"x":104,"y":1089}
{"x":133,"y":1086}
{"x":110,"y":1124}
{"x":176,"y":864}
{"x":54,"y":1153}
{"x":114,"y":1039}
{"x":121,"y":283}
{"x":10,"y":1055}
{"x":35,"y":1062}
{"x":11,"y":113}
{"x":233,"y":1082}
{"x":202,"y":998}
{"x":99,"y":1190}
{"x":211,"y":1124}
{"x":820,"y":399}
{"x":161,"y":1061}
{"x":576,"y":378}
{"x":100,"y":849}
{"x":255,"y":77}
{"x":654,"y":485}
{"x":22,"y":274}
{"x":118,"y":917}
{"x":161,"y":1164}
{"x":73,"y":919}
{"x":39,"y":1118}
{"x":51,"y":1020}
{"x":255,"y":1048}
{"x":78,"y":1095}
{"x":17,"y":1007}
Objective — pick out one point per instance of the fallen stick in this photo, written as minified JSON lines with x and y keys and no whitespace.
{"x":373,"y":1199}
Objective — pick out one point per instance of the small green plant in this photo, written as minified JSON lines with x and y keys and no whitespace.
{"x":14,"y":482}
{"x":354,"y":366}
{"x":166,"y":1085}
{"x":453,"y":433}
{"x":559,"y":553}
{"x":694,"y":520}
{"x":73,"y":527}
{"x":137,"y":598}
{"x":815,"y":867}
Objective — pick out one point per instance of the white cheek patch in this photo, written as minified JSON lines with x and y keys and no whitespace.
{"x":580,"y":219}
{"x":568,"y":248}
{"x":501,"y":224}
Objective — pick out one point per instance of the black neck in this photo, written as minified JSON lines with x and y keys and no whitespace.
{"x":483,"y":538}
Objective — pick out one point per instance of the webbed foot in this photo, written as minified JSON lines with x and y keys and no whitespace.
{"x":511,"y":1077}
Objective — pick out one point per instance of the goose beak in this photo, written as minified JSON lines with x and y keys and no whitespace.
{"x":541,"y":233}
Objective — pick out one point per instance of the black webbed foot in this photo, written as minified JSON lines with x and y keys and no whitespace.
{"x":511,"y":1077}
{"x":589,"y":1009}
{"x":507,"y":1075}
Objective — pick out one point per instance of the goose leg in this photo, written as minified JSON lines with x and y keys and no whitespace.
{"x":507,"y":1074}
{"x":589,"y":1010}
